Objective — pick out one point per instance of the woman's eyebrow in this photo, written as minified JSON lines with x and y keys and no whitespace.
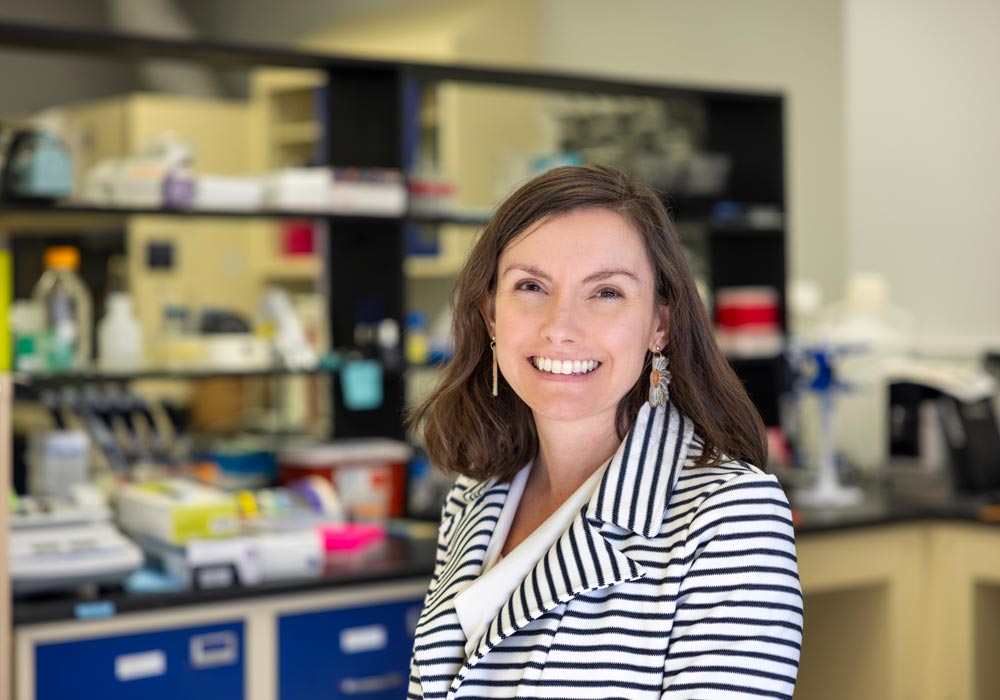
{"x":525,"y":267}
{"x":598,"y":276}
{"x":611,"y":272}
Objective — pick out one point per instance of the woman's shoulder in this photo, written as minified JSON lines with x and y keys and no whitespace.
{"x":723,"y":470}
{"x":729,"y":484}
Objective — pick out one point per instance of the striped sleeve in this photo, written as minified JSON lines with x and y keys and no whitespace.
{"x":415,"y":690}
{"x":738,"y":625}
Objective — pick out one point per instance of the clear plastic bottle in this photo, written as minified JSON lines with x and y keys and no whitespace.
{"x":119,"y":335}
{"x":67,"y":310}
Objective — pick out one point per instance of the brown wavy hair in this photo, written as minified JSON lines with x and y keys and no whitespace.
{"x":468,"y":431}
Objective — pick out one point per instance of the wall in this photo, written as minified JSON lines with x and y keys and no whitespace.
{"x":792,"y":46}
{"x":923,"y":161}
{"x":32,"y":81}
{"x":267,"y":21}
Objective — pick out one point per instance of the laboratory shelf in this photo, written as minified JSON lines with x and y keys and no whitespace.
{"x":54,"y":379}
{"x":27,"y":207}
{"x":92,"y":210}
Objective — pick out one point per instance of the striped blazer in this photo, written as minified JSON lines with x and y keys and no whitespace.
{"x":673,"y":581}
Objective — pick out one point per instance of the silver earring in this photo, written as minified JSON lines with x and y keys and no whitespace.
{"x":493,"y":349}
{"x":659,"y":380}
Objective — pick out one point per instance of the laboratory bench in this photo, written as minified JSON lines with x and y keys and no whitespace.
{"x":901,"y":601}
{"x":347,"y":634}
{"x":396,"y":559}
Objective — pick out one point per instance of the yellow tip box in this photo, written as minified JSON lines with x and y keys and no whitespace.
{"x":176,"y":511}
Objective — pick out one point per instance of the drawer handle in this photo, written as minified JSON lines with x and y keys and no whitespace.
{"x":144,"y":664}
{"x":371,"y":684}
{"x":356,"y":640}
{"x":214,"y":649}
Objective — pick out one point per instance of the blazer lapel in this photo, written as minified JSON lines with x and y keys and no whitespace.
{"x":631,"y":497}
{"x":466,"y":545}
{"x":580,"y":561}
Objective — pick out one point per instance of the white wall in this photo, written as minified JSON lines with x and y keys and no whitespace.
{"x":792,"y":46}
{"x":923,"y":160}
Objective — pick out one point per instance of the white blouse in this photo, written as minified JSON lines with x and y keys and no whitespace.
{"x":480,"y":602}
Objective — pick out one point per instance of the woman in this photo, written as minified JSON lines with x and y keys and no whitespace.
{"x":608,"y":535}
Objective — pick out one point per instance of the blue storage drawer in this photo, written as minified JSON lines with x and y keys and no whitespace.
{"x":358,"y":653}
{"x":192,"y":663}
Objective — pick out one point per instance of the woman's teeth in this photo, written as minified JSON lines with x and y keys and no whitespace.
{"x":547,"y":364}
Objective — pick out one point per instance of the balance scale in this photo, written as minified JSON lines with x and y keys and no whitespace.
{"x":59,"y":545}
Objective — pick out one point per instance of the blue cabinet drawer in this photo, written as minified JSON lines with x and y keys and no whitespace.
{"x":192,"y":663}
{"x":358,"y":653}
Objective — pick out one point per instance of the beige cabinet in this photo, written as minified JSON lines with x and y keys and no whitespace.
{"x":116,"y":127}
{"x":285,"y":125}
{"x":901,"y":611}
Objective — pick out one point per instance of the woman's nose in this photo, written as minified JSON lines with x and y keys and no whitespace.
{"x":561,"y":322}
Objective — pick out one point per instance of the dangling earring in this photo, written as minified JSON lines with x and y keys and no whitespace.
{"x":493,"y":349}
{"x":659,"y":380}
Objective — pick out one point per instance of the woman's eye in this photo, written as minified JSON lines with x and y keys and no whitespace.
{"x":528,"y":287}
{"x":609,"y":293}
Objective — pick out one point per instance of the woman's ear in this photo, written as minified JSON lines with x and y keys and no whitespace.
{"x":661,"y":334}
{"x":487,"y":309}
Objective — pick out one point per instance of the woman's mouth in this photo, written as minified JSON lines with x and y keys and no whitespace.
{"x":568,"y":367}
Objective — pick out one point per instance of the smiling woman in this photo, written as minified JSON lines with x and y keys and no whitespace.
{"x":602,"y":540}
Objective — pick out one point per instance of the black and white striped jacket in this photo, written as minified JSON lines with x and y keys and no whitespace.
{"x":674,"y":581}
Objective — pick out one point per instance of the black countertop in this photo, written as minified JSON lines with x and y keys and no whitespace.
{"x":396,"y":559}
{"x":399,"y":559}
{"x":878,"y":510}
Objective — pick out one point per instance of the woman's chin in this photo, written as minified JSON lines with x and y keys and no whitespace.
{"x":567,"y":410}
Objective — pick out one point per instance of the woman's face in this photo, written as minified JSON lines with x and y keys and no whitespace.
{"x":575,"y":314}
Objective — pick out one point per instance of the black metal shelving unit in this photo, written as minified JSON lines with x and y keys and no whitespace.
{"x":365,"y":127}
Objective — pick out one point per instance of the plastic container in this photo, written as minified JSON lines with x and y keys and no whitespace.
{"x":57,"y":461}
{"x":67,"y":310}
{"x":747,"y":321}
{"x":369,"y":475}
{"x":119,"y":336}
{"x":349,"y":537}
{"x":873,"y":332}
{"x":298,"y":238}
{"x":417,"y":342}
{"x":244,"y":468}
{"x":27,"y":323}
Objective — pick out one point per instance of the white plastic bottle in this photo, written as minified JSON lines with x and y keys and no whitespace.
{"x":877,"y":332}
{"x":119,"y":336}
{"x":67,"y":310}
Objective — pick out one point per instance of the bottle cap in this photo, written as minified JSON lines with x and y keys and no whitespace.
{"x":62,"y":257}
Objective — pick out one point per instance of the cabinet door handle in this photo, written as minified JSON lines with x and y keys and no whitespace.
{"x":214,"y":649}
{"x":371,"y":684}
